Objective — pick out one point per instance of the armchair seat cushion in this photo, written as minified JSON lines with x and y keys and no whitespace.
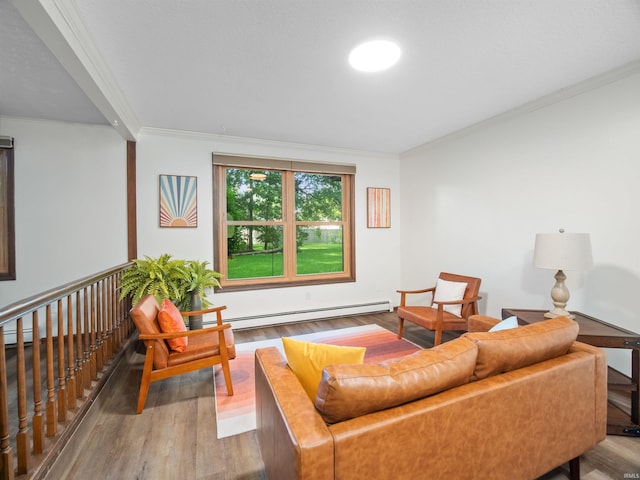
{"x":427,"y":317}
{"x":203,"y":346}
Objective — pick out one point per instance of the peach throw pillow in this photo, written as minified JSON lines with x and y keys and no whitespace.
{"x":171,"y":321}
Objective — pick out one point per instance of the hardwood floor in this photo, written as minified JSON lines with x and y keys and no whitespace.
{"x":175,"y":436}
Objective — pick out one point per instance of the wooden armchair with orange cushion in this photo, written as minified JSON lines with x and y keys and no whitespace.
{"x":453,"y":300}
{"x":172,"y":350}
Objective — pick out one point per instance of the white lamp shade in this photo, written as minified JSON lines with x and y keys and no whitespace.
{"x":563,"y":251}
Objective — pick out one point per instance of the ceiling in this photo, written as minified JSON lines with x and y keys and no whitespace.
{"x":277,"y":69}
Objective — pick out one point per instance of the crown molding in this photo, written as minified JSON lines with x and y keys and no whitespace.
{"x":233,"y":145}
{"x":558,"y":96}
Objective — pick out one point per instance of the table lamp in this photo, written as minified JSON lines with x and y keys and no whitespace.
{"x":562,"y":251}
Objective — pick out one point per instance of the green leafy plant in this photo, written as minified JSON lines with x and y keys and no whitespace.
{"x":198,"y":277}
{"x":166,"y":277}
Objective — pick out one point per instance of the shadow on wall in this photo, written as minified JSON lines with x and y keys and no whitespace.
{"x":482,"y":304}
{"x":612,"y":295}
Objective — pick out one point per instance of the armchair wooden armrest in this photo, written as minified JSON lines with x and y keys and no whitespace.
{"x":207,"y":310}
{"x":404,"y":293}
{"x":423,"y":290}
{"x":188,"y":333}
{"x":458,"y":302}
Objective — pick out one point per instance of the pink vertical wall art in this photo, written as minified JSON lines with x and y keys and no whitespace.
{"x":378,"y":207}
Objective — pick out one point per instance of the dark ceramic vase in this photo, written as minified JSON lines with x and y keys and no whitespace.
{"x":195,"y":322}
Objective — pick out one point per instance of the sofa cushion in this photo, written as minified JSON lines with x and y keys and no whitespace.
{"x":348,"y":391}
{"x":171,"y":321}
{"x":507,"y":350}
{"x":307,"y":360}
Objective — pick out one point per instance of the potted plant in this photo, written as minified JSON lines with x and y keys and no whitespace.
{"x":161,"y":277}
{"x":184,"y":282}
{"x":197,"y":279}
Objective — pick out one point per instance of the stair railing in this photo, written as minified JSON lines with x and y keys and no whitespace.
{"x":75,"y":331}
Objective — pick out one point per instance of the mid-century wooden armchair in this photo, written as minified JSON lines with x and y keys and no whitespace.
{"x":438,"y":316}
{"x":206,"y":347}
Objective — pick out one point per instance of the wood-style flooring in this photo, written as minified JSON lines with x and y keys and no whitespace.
{"x":175,"y":436}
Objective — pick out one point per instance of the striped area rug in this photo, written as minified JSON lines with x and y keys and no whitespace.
{"x":236,"y":414}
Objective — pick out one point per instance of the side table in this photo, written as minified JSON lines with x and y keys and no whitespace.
{"x":601,"y":334}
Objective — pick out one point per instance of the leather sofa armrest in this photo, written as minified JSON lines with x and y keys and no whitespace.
{"x":481,"y":323}
{"x":294,"y":440}
{"x":601,"y":379}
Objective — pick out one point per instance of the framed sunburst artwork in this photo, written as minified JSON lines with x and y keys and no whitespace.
{"x":178,"y":201}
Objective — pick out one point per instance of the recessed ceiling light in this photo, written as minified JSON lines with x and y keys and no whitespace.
{"x":374,"y":56}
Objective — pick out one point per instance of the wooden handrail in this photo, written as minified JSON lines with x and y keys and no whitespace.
{"x":24,"y":307}
{"x":85,"y":325}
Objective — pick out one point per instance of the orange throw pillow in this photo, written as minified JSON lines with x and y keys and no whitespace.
{"x":171,"y":321}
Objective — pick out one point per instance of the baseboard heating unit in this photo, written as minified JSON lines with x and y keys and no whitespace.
{"x":268,"y":319}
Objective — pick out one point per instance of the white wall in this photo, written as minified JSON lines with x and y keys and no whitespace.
{"x":176,"y":153}
{"x":472,"y":204}
{"x":70,"y":203}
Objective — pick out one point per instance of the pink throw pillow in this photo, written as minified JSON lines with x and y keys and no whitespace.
{"x":171,"y":321}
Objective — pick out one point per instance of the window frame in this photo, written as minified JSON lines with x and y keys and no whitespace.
{"x":7,"y":221}
{"x":289,"y":167}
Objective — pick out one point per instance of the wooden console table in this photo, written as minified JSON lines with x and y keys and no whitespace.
{"x":601,"y":334}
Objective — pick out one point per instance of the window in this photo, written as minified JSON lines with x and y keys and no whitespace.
{"x":7,"y":232}
{"x":282,"y":223}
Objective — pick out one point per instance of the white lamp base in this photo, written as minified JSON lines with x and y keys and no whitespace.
{"x":560,"y":297}
{"x":558,"y":312}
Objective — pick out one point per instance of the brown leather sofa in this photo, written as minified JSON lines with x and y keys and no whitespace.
{"x":512,"y":404}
